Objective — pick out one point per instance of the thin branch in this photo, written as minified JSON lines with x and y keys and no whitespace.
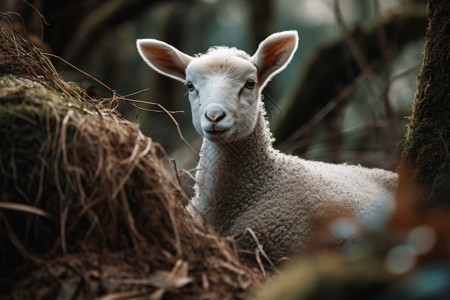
{"x":26,"y":208}
{"x":117,"y":96}
{"x":42,"y":20}
{"x":356,"y":50}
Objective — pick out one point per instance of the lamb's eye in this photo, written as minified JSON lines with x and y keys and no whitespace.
{"x":250,"y":84}
{"x":190,"y":86}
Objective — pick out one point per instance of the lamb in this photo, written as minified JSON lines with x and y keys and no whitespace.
{"x":242,"y":181}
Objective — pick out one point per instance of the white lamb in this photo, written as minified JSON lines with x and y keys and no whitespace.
{"x":242,"y":181}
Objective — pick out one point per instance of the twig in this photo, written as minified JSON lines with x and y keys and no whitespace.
{"x":374,"y":124}
{"x":356,"y":50}
{"x":174,"y":165}
{"x":322,"y":113}
{"x":180,"y":134}
{"x":137,"y":93}
{"x":259,"y":250}
{"x":132,"y":101}
{"x":381,"y":33}
{"x":37,"y":11}
{"x":17,"y":244}
{"x":188,"y":173}
{"x":179,"y":131}
{"x":41,"y":18}
{"x":79,"y":70}
{"x":26,"y":208}
{"x":63,"y":223}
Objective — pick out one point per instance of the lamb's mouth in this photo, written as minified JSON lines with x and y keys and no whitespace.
{"x":215,"y":133}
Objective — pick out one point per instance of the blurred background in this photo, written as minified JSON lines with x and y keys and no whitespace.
{"x":344,"y":97}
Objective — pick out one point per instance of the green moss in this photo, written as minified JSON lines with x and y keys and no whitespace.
{"x":327,"y":277}
{"x":31,"y":116}
{"x":427,"y":140}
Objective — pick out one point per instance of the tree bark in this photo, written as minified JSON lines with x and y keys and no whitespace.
{"x":427,"y":141}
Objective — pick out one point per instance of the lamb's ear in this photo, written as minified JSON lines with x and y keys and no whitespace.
{"x":274,"y":53}
{"x":164,"y":58}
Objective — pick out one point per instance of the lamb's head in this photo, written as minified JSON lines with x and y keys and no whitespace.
{"x":225,"y":83}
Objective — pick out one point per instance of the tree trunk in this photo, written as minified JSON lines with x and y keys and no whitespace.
{"x":427,"y":141}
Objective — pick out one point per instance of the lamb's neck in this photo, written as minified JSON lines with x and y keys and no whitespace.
{"x":228,"y":172}
{"x":234,"y":156}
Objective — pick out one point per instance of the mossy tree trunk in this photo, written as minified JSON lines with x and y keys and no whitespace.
{"x":427,"y":140}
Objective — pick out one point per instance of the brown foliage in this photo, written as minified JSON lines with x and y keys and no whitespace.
{"x":413,"y":209}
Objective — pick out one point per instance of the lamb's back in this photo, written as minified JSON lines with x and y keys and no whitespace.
{"x":296,"y":193}
{"x":363,"y":191}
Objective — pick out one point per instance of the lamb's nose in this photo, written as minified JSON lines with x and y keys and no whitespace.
{"x":214,"y":113}
{"x":215,"y":117}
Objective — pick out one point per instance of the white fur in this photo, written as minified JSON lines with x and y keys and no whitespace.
{"x":242,"y":181}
